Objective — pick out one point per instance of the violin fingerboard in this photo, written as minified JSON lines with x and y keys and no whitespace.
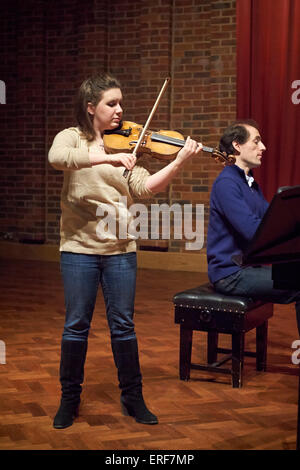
{"x":208,"y":149}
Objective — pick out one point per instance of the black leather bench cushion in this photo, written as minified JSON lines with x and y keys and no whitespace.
{"x":205,"y":297}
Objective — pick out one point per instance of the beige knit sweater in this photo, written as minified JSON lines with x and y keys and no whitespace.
{"x":89,"y":193}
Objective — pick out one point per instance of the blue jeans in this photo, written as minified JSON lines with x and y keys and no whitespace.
{"x":82,"y":274}
{"x":257,"y":283}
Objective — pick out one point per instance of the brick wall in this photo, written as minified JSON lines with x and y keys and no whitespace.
{"x":48,"y":48}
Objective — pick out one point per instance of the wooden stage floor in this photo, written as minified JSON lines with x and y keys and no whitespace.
{"x":203,"y":413}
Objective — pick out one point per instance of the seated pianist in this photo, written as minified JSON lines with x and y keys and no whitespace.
{"x":237,"y":206}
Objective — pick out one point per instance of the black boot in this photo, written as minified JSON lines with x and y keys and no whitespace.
{"x":130,"y":381}
{"x":73,"y":355}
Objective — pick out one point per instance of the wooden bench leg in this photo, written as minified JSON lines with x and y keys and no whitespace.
{"x":185,"y":355}
{"x":238,"y":344}
{"x":261,"y":346}
{"x":212,"y":346}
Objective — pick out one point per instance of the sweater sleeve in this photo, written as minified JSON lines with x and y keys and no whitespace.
{"x":230,"y":202}
{"x":66,"y":154}
{"x":137,"y":182}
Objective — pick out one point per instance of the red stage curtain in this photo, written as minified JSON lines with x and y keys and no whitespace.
{"x":268,"y":85}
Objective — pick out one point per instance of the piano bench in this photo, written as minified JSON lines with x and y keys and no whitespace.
{"x":204,"y":309}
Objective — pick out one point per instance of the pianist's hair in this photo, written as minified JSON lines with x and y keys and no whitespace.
{"x":237,"y":132}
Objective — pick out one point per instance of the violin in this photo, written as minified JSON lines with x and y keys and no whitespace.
{"x":162,"y":145}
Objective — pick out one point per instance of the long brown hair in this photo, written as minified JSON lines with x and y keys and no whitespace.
{"x":91,"y":91}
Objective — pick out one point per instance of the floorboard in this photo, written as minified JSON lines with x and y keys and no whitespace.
{"x":203,"y":413}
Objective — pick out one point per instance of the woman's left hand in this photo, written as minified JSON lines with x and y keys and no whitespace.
{"x":190,"y":149}
{"x":158,"y":181}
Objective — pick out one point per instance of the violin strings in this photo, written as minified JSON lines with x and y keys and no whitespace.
{"x":174,"y":141}
{"x":167,"y":140}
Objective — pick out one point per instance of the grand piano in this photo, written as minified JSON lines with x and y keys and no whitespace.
{"x":277,"y":243}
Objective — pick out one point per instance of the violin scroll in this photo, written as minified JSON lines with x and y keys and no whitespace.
{"x":223,"y":157}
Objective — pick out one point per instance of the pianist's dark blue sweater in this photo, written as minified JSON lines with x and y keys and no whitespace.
{"x":235,"y":213}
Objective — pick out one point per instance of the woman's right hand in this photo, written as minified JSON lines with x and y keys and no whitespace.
{"x":98,"y":156}
{"x":121,"y":159}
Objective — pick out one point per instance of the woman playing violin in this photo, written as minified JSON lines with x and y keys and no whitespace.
{"x":93,"y":178}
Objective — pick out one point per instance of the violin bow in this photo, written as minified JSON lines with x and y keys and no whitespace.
{"x":145,"y":128}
